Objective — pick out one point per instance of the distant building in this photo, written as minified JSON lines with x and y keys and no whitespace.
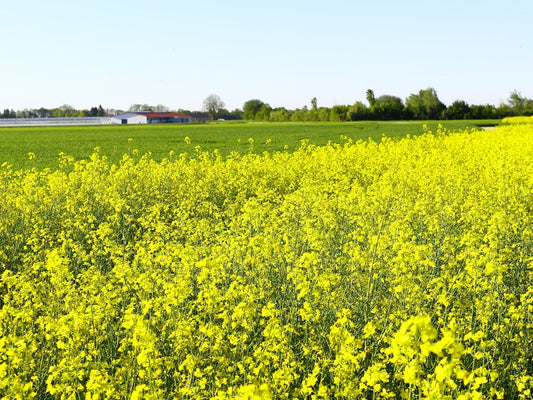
{"x":150,"y":117}
{"x":200,"y":117}
{"x":136,"y":117}
{"x":128,"y":118}
{"x":55,"y":121}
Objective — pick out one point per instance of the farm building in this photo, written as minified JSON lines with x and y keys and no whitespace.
{"x":200,"y":117}
{"x":150,"y":117}
{"x":55,"y":121}
{"x":136,"y":117}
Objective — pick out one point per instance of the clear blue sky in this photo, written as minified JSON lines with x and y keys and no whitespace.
{"x":176,"y":53}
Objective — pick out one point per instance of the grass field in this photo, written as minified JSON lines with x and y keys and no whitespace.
{"x":79,"y":142}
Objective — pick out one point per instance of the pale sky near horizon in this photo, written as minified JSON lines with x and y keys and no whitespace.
{"x":115,"y":54}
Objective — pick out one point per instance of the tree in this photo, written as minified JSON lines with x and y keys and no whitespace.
{"x":279,"y":115}
{"x":313,"y":114}
{"x":264,"y":113}
{"x":519,"y":104}
{"x":300,"y":114}
{"x":251,"y":108}
{"x":387,"y":107}
{"x":338,"y":113}
{"x":425,"y":104}
{"x":8,"y":114}
{"x":370,"y":97}
{"x":226,"y":114}
{"x":237,"y":114}
{"x":323,"y":114}
{"x":488,"y":111}
{"x":140,"y":107}
{"x":64,"y":111}
{"x":68,"y":110}
{"x":458,"y":110}
{"x":43,"y":113}
{"x":358,"y":112}
{"x":212,"y":105}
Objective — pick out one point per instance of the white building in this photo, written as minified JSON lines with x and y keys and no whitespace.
{"x":136,"y":117}
{"x":128,"y":118}
{"x":55,"y":121}
{"x":150,"y":117}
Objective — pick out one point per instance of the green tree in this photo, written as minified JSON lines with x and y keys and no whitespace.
{"x":338,"y":113}
{"x":300,"y":114}
{"x":387,"y":107}
{"x":8,"y":114}
{"x":68,"y":111}
{"x":279,"y":115}
{"x":43,"y":113}
{"x":264,"y":113}
{"x":323,"y":114}
{"x":458,"y":110}
{"x":425,"y":105}
{"x":370,"y":97}
{"x":358,"y":112}
{"x":64,"y":111}
{"x":519,"y":104}
{"x":227,"y":115}
{"x":251,"y":108}
{"x":141,"y":107}
{"x":237,"y":114}
{"x":488,"y":111}
{"x":502,"y":111}
{"x":26,"y":113}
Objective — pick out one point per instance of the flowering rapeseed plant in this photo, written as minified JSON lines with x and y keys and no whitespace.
{"x":518,"y":120}
{"x":399,"y":269}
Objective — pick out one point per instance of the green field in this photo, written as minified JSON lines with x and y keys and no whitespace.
{"x":114,"y":141}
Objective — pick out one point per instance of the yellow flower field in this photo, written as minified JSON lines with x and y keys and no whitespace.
{"x":518,"y":120}
{"x":399,"y":269}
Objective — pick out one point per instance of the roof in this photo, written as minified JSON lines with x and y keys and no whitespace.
{"x":126,"y":115}
{"x":161,"y":114}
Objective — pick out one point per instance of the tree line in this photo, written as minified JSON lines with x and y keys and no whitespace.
{"x":65,"y":111}
{"x":419,"y":106}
